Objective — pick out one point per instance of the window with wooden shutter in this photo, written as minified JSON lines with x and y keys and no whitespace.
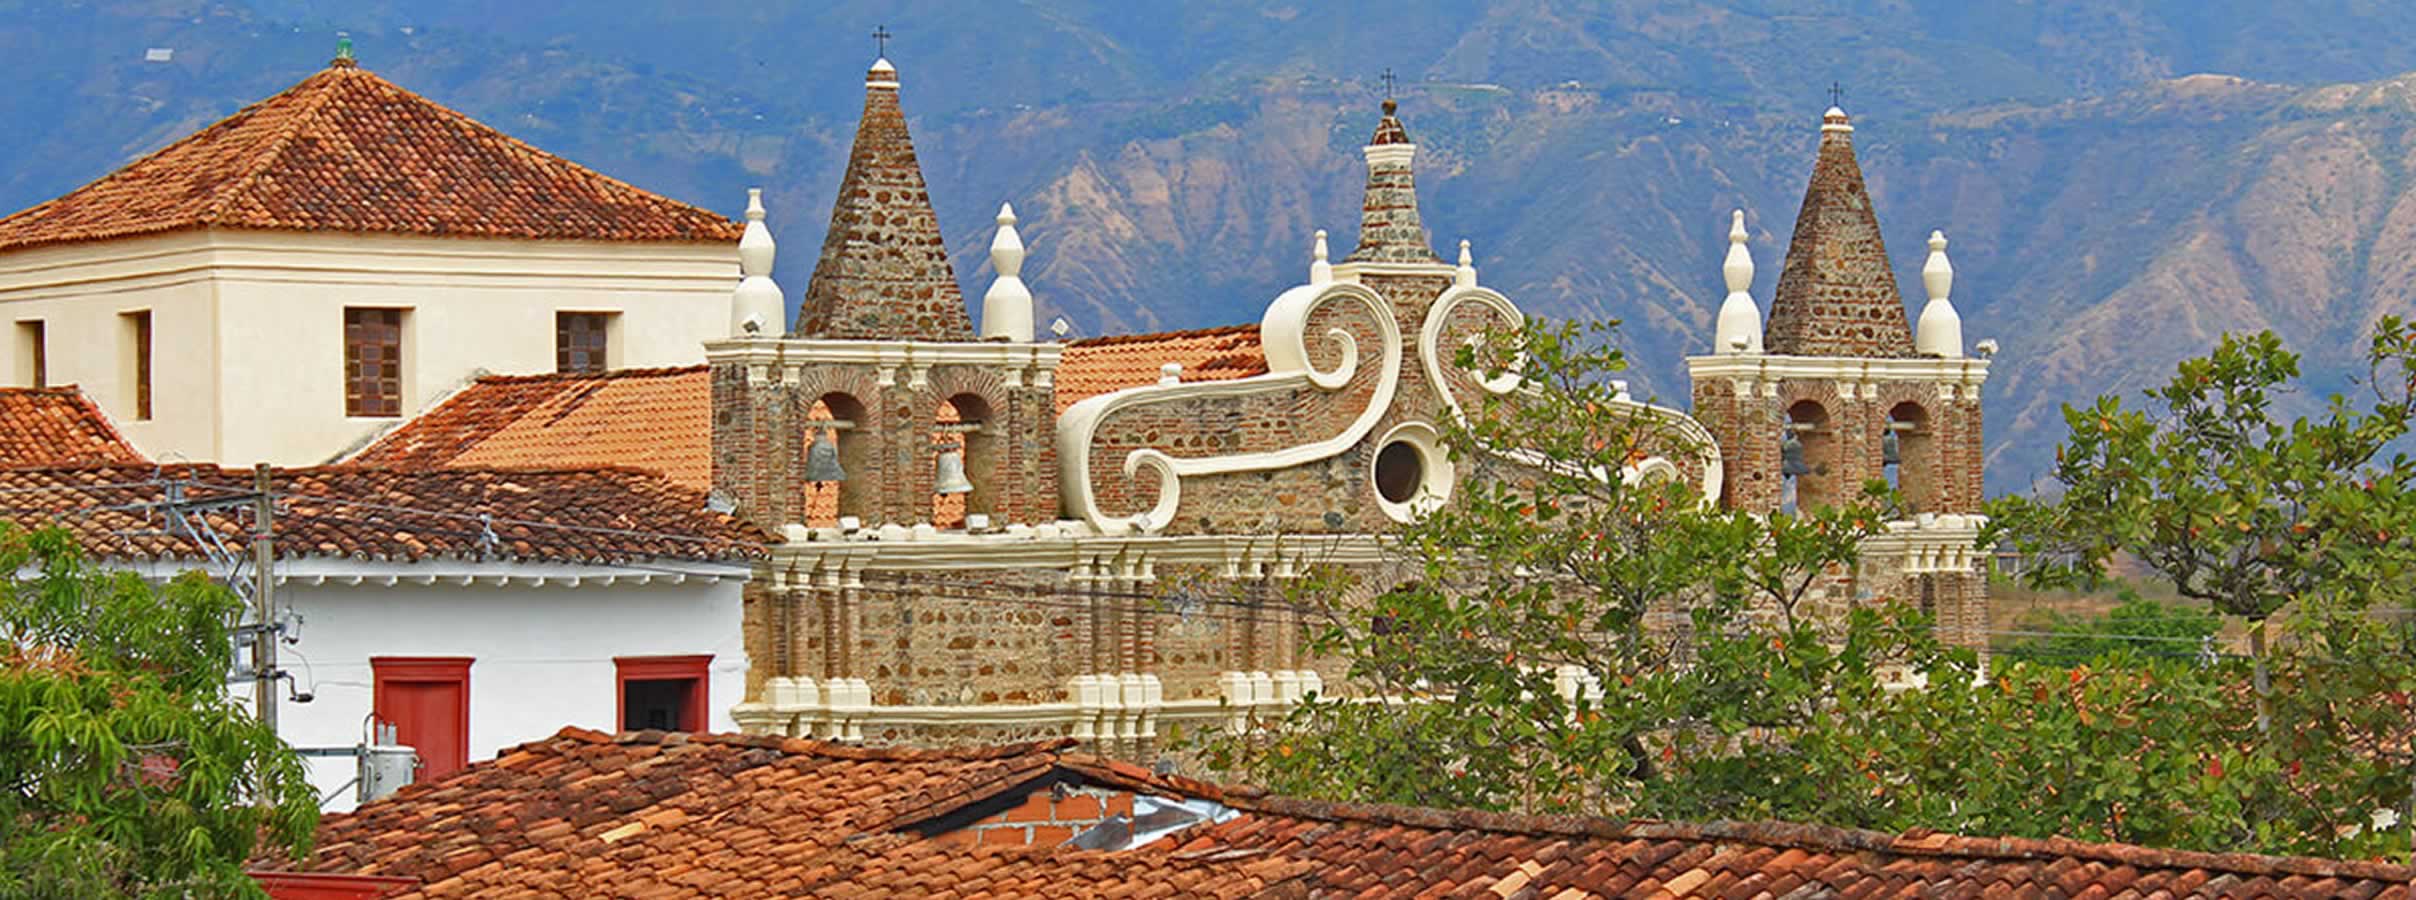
{"x":136,"y":367}
{"x":373,"y":362}
{"x":33,"y":348}
{"x":582,"y":341}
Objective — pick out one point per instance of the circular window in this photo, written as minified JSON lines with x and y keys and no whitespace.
{"x":1412,"y":474}
{"x":1399,"y":470}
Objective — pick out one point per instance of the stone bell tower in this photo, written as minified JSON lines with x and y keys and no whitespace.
{"x":1839,"y":391}
{"x":881,"y":407}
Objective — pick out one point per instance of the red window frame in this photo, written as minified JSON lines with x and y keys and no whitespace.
{"x":696,"y":668}
{"x":425,"y":670}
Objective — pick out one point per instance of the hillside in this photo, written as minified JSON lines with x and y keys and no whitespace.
{"x":2112,"y":206}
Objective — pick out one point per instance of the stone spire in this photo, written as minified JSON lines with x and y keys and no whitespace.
{"x":755,"y":307}
{"x":1836,"y":295}
{"x":1389,"y":230}
{"x":884,"y":274}
{"x":1740,"y":324}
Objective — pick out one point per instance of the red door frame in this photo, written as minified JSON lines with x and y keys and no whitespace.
{"x":424,"y":670}
{"x":695,"y":668}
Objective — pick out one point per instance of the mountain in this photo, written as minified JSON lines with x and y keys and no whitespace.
{"x":2122,"y":181}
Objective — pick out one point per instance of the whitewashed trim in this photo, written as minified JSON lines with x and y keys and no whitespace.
{"x":1283,"y":334}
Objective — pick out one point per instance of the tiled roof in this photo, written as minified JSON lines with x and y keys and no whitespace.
{"x":659,"y":420}
{"x":883,"y":273}
{"x":598,"y":515}
{"x":1837,"y":294}
{"x":1098,"y":365}
{"x":650,"y":814}
{"x":58,"y":427}
{"x":345,"y":150}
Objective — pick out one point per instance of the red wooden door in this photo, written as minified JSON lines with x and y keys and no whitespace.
{"x":428,"y":700}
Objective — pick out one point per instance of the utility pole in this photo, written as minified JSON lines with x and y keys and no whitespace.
{"x":264,"y":638}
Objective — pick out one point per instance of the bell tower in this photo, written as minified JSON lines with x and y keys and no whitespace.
{"x":880,"y":406}
{"x":1838,"y":390}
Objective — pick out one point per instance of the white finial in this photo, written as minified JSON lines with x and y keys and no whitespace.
{"x":1465,"y":276}
{"x":1170,"y":373}
{"x":1940,"y":331}
{"x":1007,"y":306}
{"x":1740,"y":322}
{"x":1738,"y":268}
{"x":1320,"y":271}
{"x":1987,"y":347}
{"x":1835,"y":120}
{"x":755,"y":307}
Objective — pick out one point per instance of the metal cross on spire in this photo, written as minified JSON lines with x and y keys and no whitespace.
{"x":880,"y":40}
{"x":1387,"y":78}
{"x":1837,"y":95}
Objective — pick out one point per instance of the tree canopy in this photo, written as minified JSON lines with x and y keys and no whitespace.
{"x":125,"y":769}
{"x":1566,"y":640}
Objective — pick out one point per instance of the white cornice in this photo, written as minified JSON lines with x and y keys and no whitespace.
{"x":764,"y":353}
{"x":1235,"y":553}
{"x":1760,"y":367}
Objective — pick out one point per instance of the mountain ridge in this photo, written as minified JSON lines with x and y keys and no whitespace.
{"x":2121,"y":181}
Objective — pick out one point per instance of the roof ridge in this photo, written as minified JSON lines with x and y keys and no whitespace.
{"x":608,"y":374}
{"x":536,"y":153}
{"x":324,"y":81}
{"x":1770,"y":833}
{"x":1109,"y":340}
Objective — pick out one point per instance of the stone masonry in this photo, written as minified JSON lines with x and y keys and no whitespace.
{"x":1837,"y":295}
{"x":884,"y":273}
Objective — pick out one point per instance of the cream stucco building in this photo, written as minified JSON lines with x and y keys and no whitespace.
{"x":291,"y":280}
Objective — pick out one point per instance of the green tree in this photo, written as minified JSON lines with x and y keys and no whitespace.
{"x":2137,"y":626}
{"x":2239,"y":506}
{"x":1570,"y":633}
{"x":125,"y":769}
{"x":1732,"y":685}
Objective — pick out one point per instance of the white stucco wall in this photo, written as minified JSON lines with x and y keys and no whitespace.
{"x":248,"y":343}
{"x":542,"y":656}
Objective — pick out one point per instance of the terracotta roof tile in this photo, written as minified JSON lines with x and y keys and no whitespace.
{"x":725,"y":815}
{"x":599,"y":515}
{"x":58,"y":427}
{"x":659,"y":420}
{"x":1099,"y":365}
{"x":345,"y":150}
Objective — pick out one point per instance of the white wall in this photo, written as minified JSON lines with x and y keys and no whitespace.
{"x":78,"y":294}
{"x":543,"y":656}
{"x":248,"y":343}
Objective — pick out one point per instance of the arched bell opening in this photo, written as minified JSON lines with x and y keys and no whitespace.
{"x":965,"y":463}
{"x":838,"y":462}
{"x":1908,"y":451}
{"x":1808,"y":459}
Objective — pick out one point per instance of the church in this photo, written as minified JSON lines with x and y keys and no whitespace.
{"x":988,"y":536}
{"x":980,"y":533}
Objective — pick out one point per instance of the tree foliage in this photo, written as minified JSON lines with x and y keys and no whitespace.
{"x":1570,"y":641}
{"x":125,"y":770}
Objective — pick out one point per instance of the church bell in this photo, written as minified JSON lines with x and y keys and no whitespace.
{"x":822,"y":460}
{"x":951,"y":475}
{"x":1791,"y":456}
{"x":1890,"y":453}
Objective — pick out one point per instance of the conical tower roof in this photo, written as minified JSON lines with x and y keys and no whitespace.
{"x":1837,"y":295}
{"x":347,"y":151}
{"x":884,"y":274}
{"x":1389,"y":228}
